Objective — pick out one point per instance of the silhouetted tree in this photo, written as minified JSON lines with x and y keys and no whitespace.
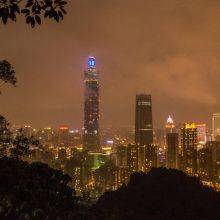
{"x":33,"y":10}
{"x":105,"y":177}
{"x":7,"y":73}
{"x":15,"y":144}
{"x":160,"y":194}
{"x":35,"y":191}
{"x":70,"y":165}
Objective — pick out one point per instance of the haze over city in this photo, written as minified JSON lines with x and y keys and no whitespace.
{"x":169,"y":49}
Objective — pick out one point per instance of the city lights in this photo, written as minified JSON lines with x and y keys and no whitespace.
{"x":103,"y":159}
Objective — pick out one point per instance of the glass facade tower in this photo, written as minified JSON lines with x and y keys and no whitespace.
{"x":91,"y":138}
{"x":143,"y":120}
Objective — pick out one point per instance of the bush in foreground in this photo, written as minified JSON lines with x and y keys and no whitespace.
{"x":35,"y":191}
{"x":160,"y":194}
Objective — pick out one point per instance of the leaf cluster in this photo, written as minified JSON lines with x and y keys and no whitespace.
{"x":33,"y":10}
{"x":7,"y":73}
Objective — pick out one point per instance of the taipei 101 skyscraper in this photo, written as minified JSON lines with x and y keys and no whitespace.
{"x":91,"y":137}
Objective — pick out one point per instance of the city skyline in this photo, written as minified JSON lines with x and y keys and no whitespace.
{"x":90,"y":66}
{"x":109,"y":109}
{"x":178,"y":55}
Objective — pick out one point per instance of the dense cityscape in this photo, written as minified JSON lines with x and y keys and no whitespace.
{"x":100,"y":160}
{"x":109,"y":110}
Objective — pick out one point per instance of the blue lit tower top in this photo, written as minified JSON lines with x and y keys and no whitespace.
{"x":91,"y":63}
{"x":91,"y":73}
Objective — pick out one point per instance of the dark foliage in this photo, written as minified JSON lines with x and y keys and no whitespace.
{"x":160,"y":194}
{"x":106,"y":168}
{"x":35,"y":191}
{"x":33,"y":10}
{"x":70,"y":165}
{"x":7,"y":73}
{"x":15,"y":144}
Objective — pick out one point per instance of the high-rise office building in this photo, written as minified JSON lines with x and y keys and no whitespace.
{"x":150,"y":157}
{"x":75,"y":138}
{"x":163,"y":148}
{"x":91,"y":138}
{"x":47,"y":135}
{"x":147,"y":155}
{"x":62,"y":155}
{"x":205,"y":163}
{"x":215,"y":147}
{"x":121,"y":156}
{"x":215,"y":125}
{"x":171,"y":144}
{"x":189,"y":148}
{"x":63,"y":135}
{"x":143,"y":120}
{"x":201,"y":133}
{"x":172,"y":150}
{"x":27,"y":130}
{"x":132,"y":158}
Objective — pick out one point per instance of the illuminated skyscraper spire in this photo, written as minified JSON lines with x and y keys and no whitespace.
{"x":169,"y":125}
{"x":169,"y":120}
{"x":91,"y":106}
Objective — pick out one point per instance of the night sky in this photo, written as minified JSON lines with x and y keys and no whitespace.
{"x":168,"y":48}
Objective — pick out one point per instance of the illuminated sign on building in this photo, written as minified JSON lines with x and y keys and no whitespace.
{"x":91,"y":62}
{"x":144,"y":103}
{"x":64,"y":127}
{"x":190,"y":125}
